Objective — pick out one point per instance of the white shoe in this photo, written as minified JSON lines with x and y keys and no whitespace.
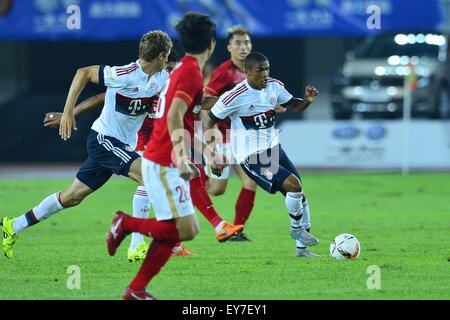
{"x":304,"y":237}
{"x":304,"y":252}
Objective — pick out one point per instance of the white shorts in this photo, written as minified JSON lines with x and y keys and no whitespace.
{"x":225,"y":148}
{"x":168,"y":193}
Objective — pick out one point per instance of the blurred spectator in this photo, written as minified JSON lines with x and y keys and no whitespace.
{"x":5,"y":7}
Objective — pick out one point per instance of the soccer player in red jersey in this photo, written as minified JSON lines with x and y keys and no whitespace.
{"x":223,"y":79}
{"x":167,"y":167}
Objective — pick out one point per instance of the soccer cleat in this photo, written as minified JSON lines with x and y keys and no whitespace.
{"x":182,"y":251}
{"x":138,"y":253}
{"x":9,"y":236}
{"x":228,"y":230}
{"x":116,"y":235}
{"x":137,"y":295}
{"x":304,"y":236}
{"x":304,"y":252}
{"x":239,"y":237}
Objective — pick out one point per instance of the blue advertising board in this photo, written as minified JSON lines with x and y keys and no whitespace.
{"x":128,"y":19}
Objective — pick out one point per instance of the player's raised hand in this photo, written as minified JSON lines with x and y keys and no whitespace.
{"x":311,"y":93}
{"x":217,"y":169}
{"x":187,"y":170}
{"x":67,"y":124}
{"x":52,"y":119}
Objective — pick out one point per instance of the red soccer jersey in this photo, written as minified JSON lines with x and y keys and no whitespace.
{"x":145,"y":132}
{"x":223,"y":79}
{"x":185,"y":82}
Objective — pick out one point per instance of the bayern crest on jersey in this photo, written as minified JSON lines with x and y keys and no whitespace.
{"x":273,"y":101}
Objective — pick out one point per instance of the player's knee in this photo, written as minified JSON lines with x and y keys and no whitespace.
{"x":136,"y":177}
{"x":190,"y":233}
{"x":249,"y":185}
{"x":292,"y":184}
{"x":71,"y":200}
{"x":214,"y":191}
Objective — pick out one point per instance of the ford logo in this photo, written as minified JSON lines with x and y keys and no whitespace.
{"x":347,"y":131}
{"x":376,"y":132}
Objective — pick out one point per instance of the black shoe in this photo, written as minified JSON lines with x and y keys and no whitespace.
{"x":239,"y":237}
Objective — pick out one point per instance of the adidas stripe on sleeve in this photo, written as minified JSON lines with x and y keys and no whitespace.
{"x":227,"y":103}
{"x":116,"y":77}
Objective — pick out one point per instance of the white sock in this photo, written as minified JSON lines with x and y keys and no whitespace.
{"x":299,"y":244}
{"x":294,"y":206}
{"x":219,"y":226}
{"x":42,"y":211}
{"x":306,"y":219}
{"x":141,"y":209}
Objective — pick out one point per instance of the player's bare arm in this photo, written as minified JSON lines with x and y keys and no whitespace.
{"x":298,"y":105}
{"x":82,"y":77}
{"x":208,"y":102}
{"x":175,"y":125}
{"x":53,"y":119}
{"x":217,"y":161}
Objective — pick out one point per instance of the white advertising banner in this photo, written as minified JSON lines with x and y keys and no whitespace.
{"x":366,"y":144}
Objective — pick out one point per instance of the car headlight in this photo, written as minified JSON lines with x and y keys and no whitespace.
{"x":423,"y":82}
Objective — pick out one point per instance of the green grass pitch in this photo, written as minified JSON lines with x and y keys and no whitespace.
{"x":402,"y":222}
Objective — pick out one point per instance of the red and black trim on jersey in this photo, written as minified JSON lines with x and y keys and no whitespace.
{"x":234,"y":94}
{"x":258,"y":121}
{"x":126,"y":70}
{"x":134,"y":106}
{"x":275,"y":80}
{"x":119,"y":72}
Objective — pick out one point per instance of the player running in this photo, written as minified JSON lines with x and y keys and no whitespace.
{"x":166,"y":166}
{"x":224,"y":78}
{"x":141,"y":205}
{"x":130,"y":92}
{"x":255,"y":142}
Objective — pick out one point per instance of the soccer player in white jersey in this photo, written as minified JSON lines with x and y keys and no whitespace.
{"x":130,"y":92}
{"x":255,"y":141}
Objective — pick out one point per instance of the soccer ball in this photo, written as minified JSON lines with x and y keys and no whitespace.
{"x":345,"y":246}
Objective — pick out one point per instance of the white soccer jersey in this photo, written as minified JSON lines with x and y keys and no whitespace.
{"x":129,"y":97}
{"x":252,"y":116}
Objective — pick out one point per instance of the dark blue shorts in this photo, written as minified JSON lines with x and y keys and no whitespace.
{"x":106,"y":155}
{"x":270,"y":168}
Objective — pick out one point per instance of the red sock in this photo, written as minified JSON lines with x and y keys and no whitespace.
{"x":244,"y":206}
{"x":158,"y":230}
{"x":202,"y":201}
{"x":157,"y":256}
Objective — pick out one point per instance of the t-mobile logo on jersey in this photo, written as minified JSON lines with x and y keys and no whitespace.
{"x":135,"y":105}
{"x":260,"y":120}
